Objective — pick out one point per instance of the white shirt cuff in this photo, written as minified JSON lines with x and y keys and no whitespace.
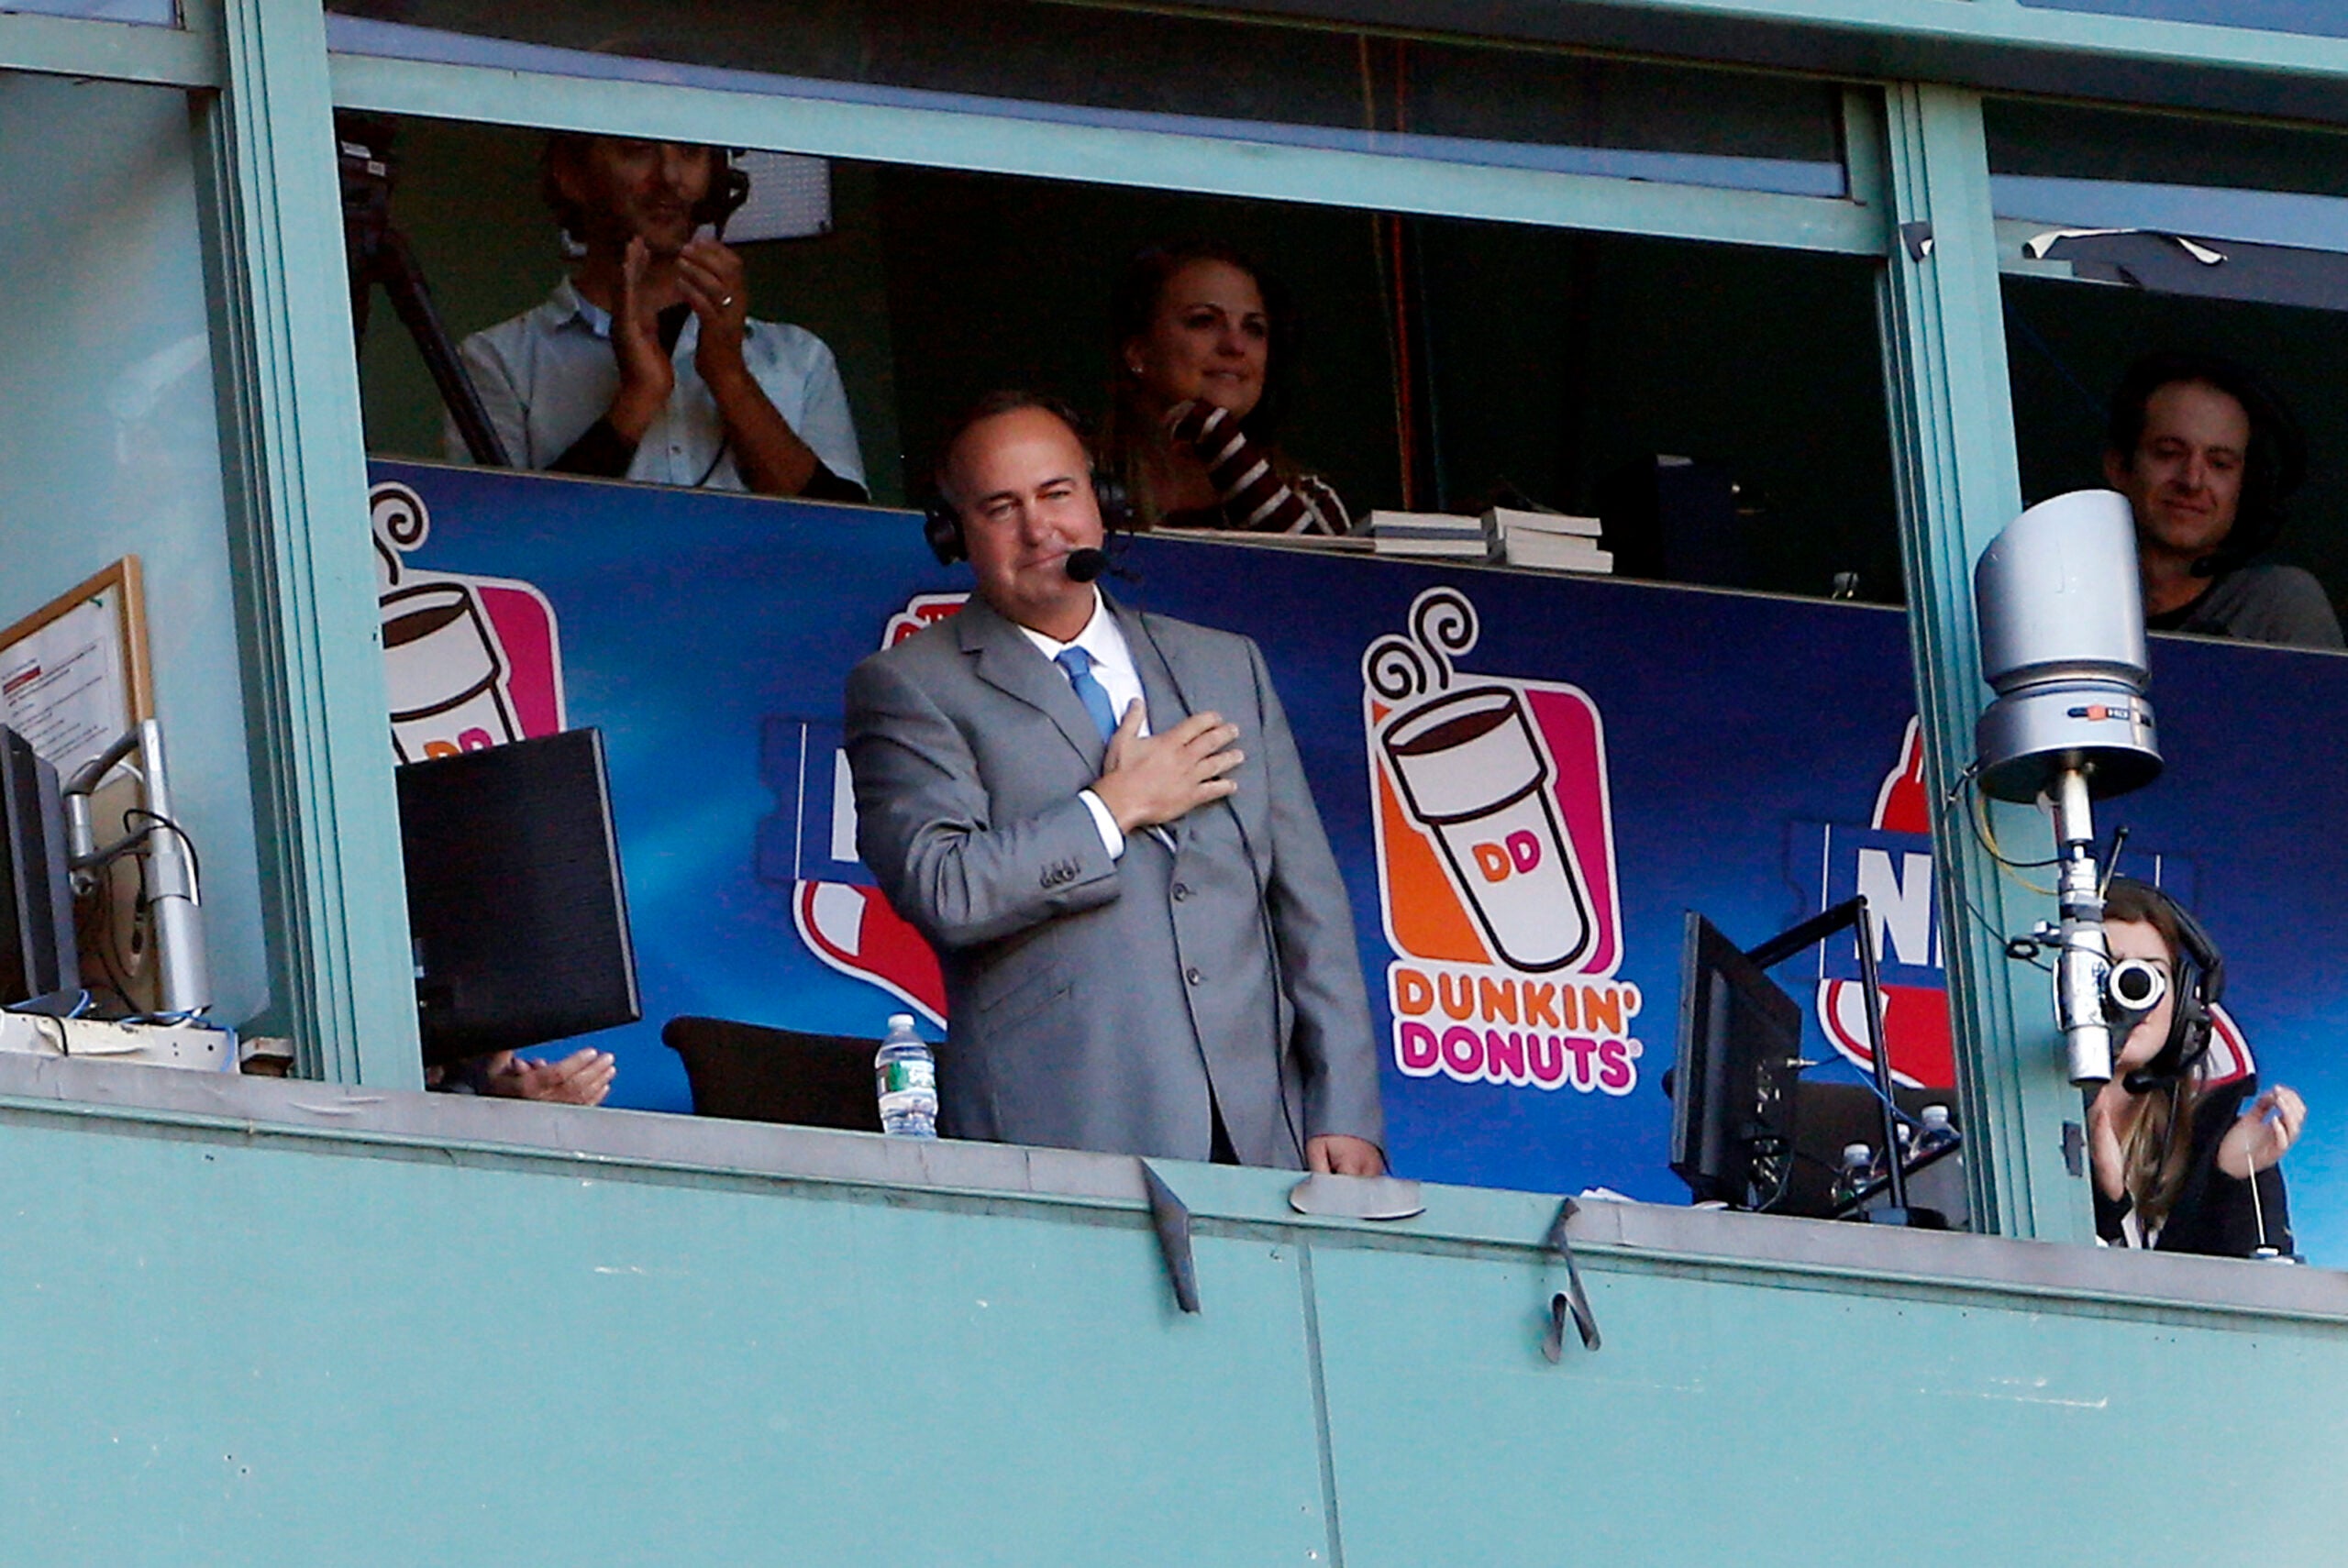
{"x":1113,"y":837}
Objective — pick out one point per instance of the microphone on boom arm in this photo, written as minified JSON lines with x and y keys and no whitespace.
{"x":1084,"y":565}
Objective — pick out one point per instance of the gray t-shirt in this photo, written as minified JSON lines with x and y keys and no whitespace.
{"x":2279,"y":605}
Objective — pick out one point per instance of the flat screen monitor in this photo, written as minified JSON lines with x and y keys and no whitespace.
{"x":37,"y":948}
{"x":514,"y":899}
{"x":1733,"y":1100}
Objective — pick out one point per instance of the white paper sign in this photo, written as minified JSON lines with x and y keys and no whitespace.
{"x":62,"y":686}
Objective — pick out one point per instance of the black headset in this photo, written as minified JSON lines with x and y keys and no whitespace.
{"x":2199,"y":981}
{"x":729,"y":187}
{"x":941,"y":520}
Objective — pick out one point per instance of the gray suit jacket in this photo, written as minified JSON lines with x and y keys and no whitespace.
{"x":1094,"y":1002}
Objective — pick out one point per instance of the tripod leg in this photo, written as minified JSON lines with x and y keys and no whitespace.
{"x":402,"y":280}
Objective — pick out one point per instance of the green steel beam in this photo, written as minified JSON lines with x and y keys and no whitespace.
{"x":112,"y":52}
{"x":949,"y":139}
{"x":297,"y":502}
{"x":1959,"y":484}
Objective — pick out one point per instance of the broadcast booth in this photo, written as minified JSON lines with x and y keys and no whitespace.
{"x":1731,"y":709}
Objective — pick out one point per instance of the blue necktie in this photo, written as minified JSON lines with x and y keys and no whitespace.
{"x":1089,"y":692}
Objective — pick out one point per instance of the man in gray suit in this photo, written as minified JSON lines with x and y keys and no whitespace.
{"x":1099,"y":819}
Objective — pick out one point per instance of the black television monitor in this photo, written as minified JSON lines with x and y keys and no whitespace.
{"x":515,"y":900}
{"x":37,"y":945}
{"x":1732,"y":1103}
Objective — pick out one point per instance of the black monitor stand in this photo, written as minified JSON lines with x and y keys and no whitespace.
{"x":1853,"y":912}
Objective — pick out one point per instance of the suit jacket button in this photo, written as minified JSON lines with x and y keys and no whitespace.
{"x":1181,"y":892}
{"x":1192,"y":975}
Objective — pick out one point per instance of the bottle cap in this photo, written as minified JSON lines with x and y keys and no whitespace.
{"x":1934,"y":1116}
{"x":1857,"y":1154}
{"x":900,"y":1021}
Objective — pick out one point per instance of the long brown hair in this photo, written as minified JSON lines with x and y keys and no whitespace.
{"x":2158,"y":1150}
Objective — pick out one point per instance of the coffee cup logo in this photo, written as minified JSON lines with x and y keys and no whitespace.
{"x":1496,"y":870}
{"x":446,"y":677}
{"x":1476,"y":776}
{"x":453,"y":682}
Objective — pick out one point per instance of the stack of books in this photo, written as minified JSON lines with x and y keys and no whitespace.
{"x":1548,"y":541}
{"x":1426,"y":534}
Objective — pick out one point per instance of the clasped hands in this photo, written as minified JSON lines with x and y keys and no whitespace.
{"x":1146,"y":781}
{"x":711,"y":276}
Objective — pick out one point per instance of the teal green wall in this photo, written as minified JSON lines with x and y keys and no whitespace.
{"x":257,"y":1324}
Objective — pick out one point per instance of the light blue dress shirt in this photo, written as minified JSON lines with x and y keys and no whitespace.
{"x":548,"y":374}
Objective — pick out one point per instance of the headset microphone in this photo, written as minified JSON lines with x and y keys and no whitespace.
{"x":1086,"y":563}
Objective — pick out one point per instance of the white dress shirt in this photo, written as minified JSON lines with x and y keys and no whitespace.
{"x":1104,"y":642}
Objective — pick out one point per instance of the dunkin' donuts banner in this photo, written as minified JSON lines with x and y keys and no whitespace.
{"x":1527,"y":781}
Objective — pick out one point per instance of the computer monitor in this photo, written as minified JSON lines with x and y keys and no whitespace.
{"x":37,"y":946}
{"x":1733,"y":1117}
{"x":514,"y":899}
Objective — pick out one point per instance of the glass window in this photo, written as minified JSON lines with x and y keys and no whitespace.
{"x":2066,"y":166}
{"x":112,"y":450}
{"x":157,"y":13}
{"x":1718,"y":410}
{"x":2173,"y":360}
{"x":1415,"y":390}
{"x":2319,"y":17}
{"x":1308,"y":86}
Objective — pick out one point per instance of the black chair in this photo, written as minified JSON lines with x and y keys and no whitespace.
{"x":751,"y":1073}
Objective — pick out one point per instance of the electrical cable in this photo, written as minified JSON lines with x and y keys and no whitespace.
{"x":2014,"y":944}
{"x":194,"y":860}
{"x":29,"y":1010}
{"x":93,"y":930}
{"x":1783,"y":1158}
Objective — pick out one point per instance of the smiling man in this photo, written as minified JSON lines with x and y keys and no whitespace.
{"x":1099,"y":819}
{"x":2206,"y":455}
{"x":646,"y":363}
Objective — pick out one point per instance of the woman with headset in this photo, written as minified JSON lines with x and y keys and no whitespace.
{"x":2180,"y":1166}
{"x":1203,"y":352}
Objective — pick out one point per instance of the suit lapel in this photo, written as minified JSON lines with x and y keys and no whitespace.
{"x":1006,"y":661}
{"x":1161,"y":685}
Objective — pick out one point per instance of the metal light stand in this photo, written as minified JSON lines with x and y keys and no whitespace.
{"x":185,"y":977}
{"x":2083,"y":961}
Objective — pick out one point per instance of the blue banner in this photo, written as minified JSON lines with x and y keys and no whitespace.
{"x":1527,"y":780}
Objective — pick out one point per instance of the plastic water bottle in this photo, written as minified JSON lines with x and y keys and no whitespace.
{"x":1858,"y":1170}
{"x":1902,"y":1149}
{"x":1935,"y":1134}
{"x":905,"y":1075}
